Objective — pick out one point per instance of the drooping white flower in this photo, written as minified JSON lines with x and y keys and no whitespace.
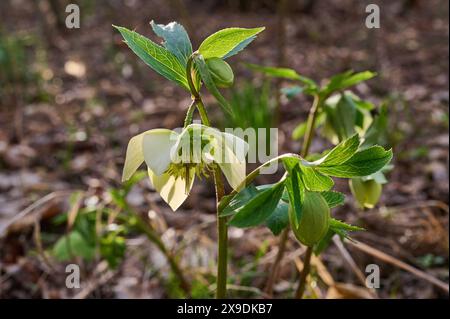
{"x":174,"y":159}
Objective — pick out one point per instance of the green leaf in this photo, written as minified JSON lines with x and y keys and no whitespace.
{"x":73,"y":245}
{"x":324,"y":242}
{"x":158,"y":58}
{"x":227,"y":42}
{"x":209,"y":83}
{"x":346,"y":80}
{"x":362,"y":163}
{"x":112,"y":248}
{"x":176,"y":39}
{"x":295,"y":188}
{"x":300,"y":130}
{"x":377,"y":129}
{"x":315,"y":181}
{"x":341,"y":115}
{"x":336,"y":225}
{"x":238,"y":201}
{"x":342,"y":152}
{"x":279,"y":219}
{"x":285,"y":73}
{"x":333,"y":198}
{"x":259,"y":207}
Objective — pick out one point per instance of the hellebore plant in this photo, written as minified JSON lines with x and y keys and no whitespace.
{"x":301,"y":200}
{"x":171,"y":173}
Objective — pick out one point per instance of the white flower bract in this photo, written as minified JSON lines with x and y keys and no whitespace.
{"x":173,"y":159}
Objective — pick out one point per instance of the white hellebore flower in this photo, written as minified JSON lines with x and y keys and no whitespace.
{"x":173,"y":159}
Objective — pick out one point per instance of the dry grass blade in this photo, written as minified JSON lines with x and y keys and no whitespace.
{"x":47,"y":198}
{"x":73,"y":212}
{"x":348,"y":258}
{"x":398,"y":263}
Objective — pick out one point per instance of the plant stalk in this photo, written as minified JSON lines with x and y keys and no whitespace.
{"x":304,"y":274}
{"x":222,"y":228}
{"x":284,"y":235}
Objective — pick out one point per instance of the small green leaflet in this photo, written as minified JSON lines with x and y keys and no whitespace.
{"x":176,"y":39}
{"x":342,"y":228}
{"x":315,"y":181}
{"x":341,"y":152}
{"x":333,"y":198}
{"x":324,"y":242}
{"x":377,"y":129}
{"x":158,"y":58}
{"x":227,"y":42}
{"x":73,"y":245}
{"x":285,"y":73}
{"x":341,"y":114}
{"x":362,"y":163}
{"x":336,"y":227}
{"x":279,"y":219}
{"x":345,"y":80}
{"x":238,"y":201}
{"x":209,"y":83}
{"x":295,"y":188}
{"x":259,"y":207}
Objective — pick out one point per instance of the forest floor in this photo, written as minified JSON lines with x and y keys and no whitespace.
{"x":68,"y":131}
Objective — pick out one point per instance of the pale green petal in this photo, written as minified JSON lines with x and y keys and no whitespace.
{"x":156,"y":147}
{"x":172,"y":190}
{"x":134,"y":157}
{"x":234,"y":173}
{"x":229,"y":154}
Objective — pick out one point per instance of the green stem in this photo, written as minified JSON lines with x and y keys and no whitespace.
{"x":222,"y":228}
{"x":189,"y":114}
{"x":312,"y":116}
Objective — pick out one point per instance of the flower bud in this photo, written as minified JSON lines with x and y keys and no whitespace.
{"x":314,"y":220}
{"x":220,"y":71}
{"x":366,"y":193}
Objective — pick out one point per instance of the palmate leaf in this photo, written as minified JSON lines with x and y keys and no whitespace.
{"x":176,"y":40}
{"x":157,"y":57}
{"x":209,"y":83}
{"x":227,"y":42}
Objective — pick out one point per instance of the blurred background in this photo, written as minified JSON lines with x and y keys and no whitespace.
{"x":70,"y":99}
